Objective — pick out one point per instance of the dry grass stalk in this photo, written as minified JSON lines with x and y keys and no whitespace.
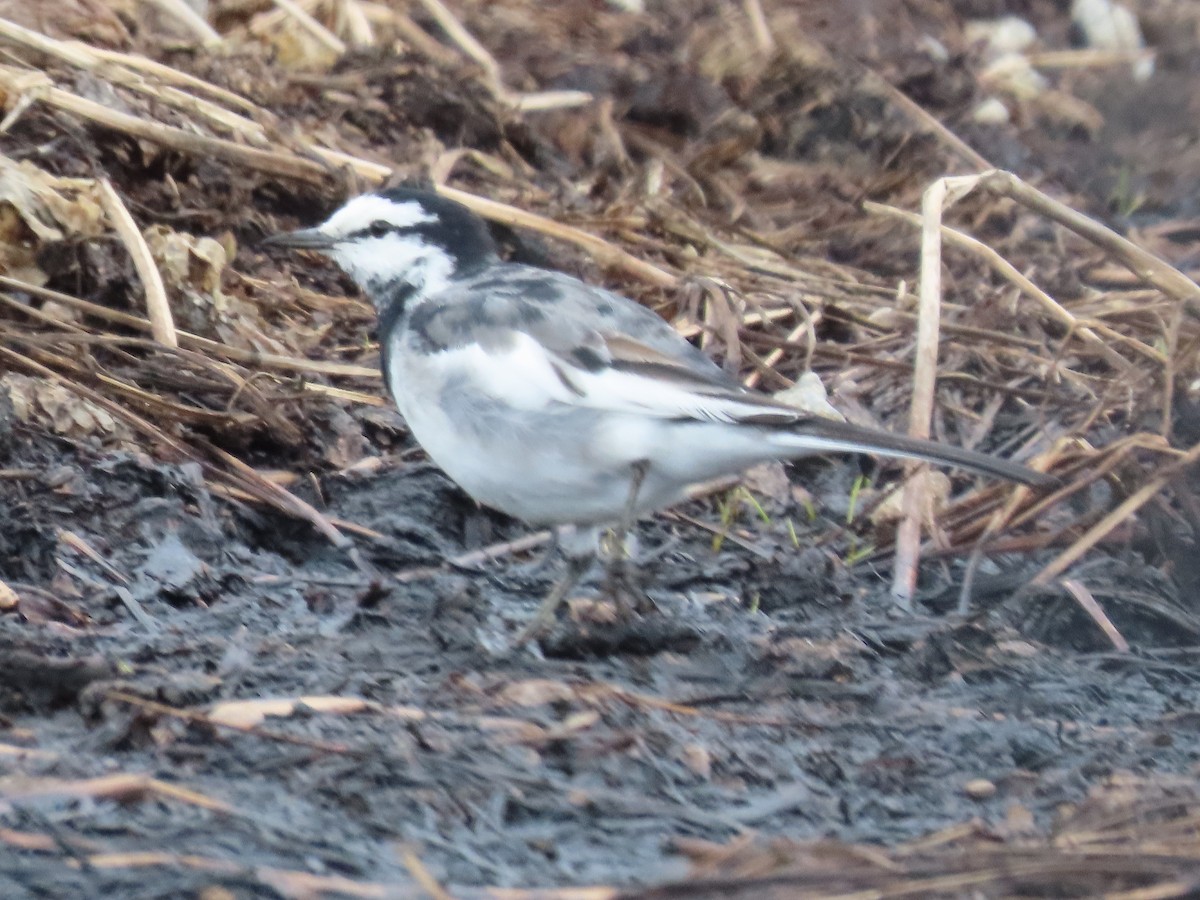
{"x":121,"y":787}
{"x":941,"y":194}
{"x":162,"y":324}
{"x":1123,"y":512}
{"x":1087,"y":602}
{"x":38,"y":86}
{"x":356,"y":23}
{"x":186,"y":339}
{"x":768,"y":336}
{"x":79,"y":545}
{"x":763,"y":39}
{"x":1146,"y":266}
{"x":604,"y":252}
{"x":422,"y":876}
{"x":326,"y":37}
{"x":183,"y":13}
{"x":1007,"y":270}
{"x":466,"y":42}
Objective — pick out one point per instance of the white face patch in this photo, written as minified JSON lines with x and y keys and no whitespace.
{"x":362,"y":211}
{"x":395,"y":257}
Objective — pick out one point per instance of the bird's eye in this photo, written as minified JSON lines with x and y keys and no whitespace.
{"x":378,"y":229}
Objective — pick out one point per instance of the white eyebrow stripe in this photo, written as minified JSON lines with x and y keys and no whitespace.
{"x":362,"y":211}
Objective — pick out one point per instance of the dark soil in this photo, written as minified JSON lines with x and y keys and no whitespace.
{"x":775,"y":691}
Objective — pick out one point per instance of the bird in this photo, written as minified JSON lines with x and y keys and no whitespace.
{"x":558,"y":402}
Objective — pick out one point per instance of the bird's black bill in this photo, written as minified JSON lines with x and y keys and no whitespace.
{"x":304,"y":239}
{"x":868,"y":440}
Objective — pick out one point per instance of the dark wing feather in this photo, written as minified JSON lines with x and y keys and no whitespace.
{"x":593,"y":337}
{"x":586,"y":325}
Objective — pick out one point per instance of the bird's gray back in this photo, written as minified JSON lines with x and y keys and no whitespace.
{"x":564,"y":314}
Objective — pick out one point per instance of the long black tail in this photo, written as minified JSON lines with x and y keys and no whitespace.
{"x":814,"y":434}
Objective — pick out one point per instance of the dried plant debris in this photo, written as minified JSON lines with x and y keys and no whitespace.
{"x":726,"y":165}
{"x":48,"y":404}
{"x":1126,"y":839}
{"x":195,"y":446}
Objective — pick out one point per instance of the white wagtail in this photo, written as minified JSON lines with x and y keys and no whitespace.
{"x":554,"y":401}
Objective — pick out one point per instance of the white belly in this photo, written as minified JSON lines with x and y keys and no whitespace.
{"x":549,"y":462}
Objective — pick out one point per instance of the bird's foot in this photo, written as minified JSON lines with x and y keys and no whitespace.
{"x":546,"y":612}
{"x":623,"y":586}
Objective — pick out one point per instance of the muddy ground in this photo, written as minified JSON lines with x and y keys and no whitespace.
{"x":776,"y":691}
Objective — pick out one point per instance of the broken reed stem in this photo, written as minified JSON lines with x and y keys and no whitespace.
{"x":162,"y":324}
{"x":1145,"y":265}
{"x":763,"y":38}
{"x":183,"y":13}
{"x":908,"y":535}
{"x":323,"y":35}
{"x":249,"y":358}
{"x":1088,"y":603}
{"x":20,"y":84}
{"x":356,"y":24}
{"x":1010,"y":272}
{"x":1101,"y":529}
{"x":466,"y":42}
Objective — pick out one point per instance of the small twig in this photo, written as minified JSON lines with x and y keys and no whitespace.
{"x":231,"y":492}
{"x":422,"y":876}
{"x":724,"y":533}
{"x":804,"y":329}
{"x":466,"y":42}
{"x":15,"y":82}
{"x":1143,"y":264}
{"x":356,"y":23}
{"x":758,"y":24}
{"x":110,"y":61}
{"x":162,"y":324}
{"x":326,"y":37}
{"x":250,"y":358}
{"x":477,"y":557}
{"x":199,"y":718}
{"x":120,"y":787}
{"x":1088,"y":604}
{"x":186,"y":15}
{"x":1007,"y":270}
{"x":136,"y":609}
{"x":1127,"y":508}
{"x":1086,"y":58}
{"x":543,"y":101}
{"x":122,"y":68}
{"x":750,"y":320}
{"x":926,"y":118}
{"x":942,"y":193}
{"x":409,"y":32}
{"x":285,"y":498}
{"x":82,"y":547}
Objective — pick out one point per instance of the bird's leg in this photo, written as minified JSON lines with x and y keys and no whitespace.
{"x":579,"y":547}
{"x":620,"y":579}
{"x":537,"y":566}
